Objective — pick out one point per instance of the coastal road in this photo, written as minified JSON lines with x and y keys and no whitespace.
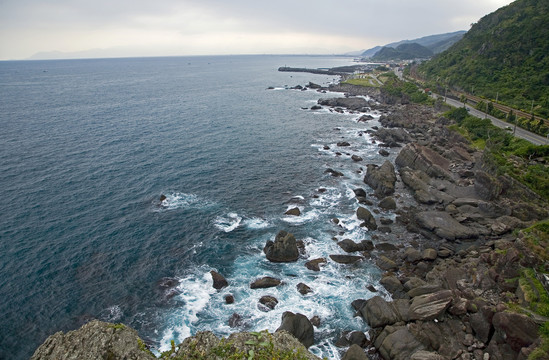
{"x":518,"y":132}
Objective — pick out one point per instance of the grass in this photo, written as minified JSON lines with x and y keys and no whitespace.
{"x":368,"y":81}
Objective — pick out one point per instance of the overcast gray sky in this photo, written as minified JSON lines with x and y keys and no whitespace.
{"x":210,"y":27}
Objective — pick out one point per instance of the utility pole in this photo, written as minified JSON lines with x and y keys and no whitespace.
{"x":445,"y":89}
{"x":532,"y":108}
{"x":497,"y":95}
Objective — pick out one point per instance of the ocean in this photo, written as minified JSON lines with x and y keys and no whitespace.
{"x":87,"y":147}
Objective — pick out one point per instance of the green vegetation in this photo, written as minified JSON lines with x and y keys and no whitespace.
{"x":406,"y":51}
{"x":117,"y":326}
{"x":404,"y":89}
{"x":504,"y":55}
{"x":508,"y":154}
{"x":368,"y":81}
{"x":537,"y":239}
{"x":260,"y":347}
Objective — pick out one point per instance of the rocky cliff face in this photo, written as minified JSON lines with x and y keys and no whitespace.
{"x":100,"y":340}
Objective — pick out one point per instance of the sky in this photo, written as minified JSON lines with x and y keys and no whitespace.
{"x":118,"y":28}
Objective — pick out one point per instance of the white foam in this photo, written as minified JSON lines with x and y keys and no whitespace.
{"x":256,"y":223}
{"x":178,"y":200}
{"x":112,"y":313}
{"x":195,"y":293}
{"x":227,"y":223}
{"x":303,"y":218}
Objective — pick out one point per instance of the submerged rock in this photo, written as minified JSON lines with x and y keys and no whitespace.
{"x":293,"y":211}
{"x":265,"y":282}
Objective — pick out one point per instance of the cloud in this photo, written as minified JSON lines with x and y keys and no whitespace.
{"x":215,"y":26}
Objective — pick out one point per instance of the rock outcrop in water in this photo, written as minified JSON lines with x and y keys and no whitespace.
{"x":283,"y":249}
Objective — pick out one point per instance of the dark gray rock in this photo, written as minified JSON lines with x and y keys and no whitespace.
{"x":368,"y":219}
{"x":293,"y":211}
{"x":265,"y":282}
{"x":299,"y":326}
{"x":381,"y":178}
{"x":343,"y":143}
{"x":334,"y":173}
{"x":268,"y":302}
{"x":397,"y":343}
{"x":219,"y":282}
{"x":422,"y":158}
{"x":356,"y":158}
{"x":430,"y":306}
{"x":303,"y":289}
{"x":346,"y":259}
{"x":444,"y":225}
{"x":518,"y":330}
{"x":388,"y":203}
{"x":315,"y":264}
{"x":283,"y":249}
{"x":355,"y":352}
{"x":378,"y":312}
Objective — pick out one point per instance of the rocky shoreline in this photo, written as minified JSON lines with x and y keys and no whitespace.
{"x":451,"y":259}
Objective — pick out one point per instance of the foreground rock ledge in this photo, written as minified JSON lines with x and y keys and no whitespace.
{"x":101,"y":340}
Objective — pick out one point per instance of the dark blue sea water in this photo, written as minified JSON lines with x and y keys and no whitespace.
{"x":88,"y":146}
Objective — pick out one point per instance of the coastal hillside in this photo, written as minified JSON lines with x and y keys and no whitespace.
{"x":505,"y":56}
{"x":436,"y":43}
{"x":406,"y":51}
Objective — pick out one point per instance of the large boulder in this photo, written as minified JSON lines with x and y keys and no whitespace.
{"x":315,"y":264}
{"x":422,"y":158}
{"x":378,"y":312}
{"x":444,"y":225}
{"x":94,"y":340}
{"x":424,"y":193}
{"x":487,"y":186}
{"x":430,"y":306}
{"x":397,"y":343}
{"x":518,"y":330}
{"x":283,"y":249}
{"x":299,"y":326}
{"x":346,"y":259}
{"x":355,"y":352}
{"x":367,"y":218}
{"x":381,"y":178}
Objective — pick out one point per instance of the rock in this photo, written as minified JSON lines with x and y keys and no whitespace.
{"x":316,"y":107}
{"x":343,"y":143}
{"x":482,"y":327}
{"x":359,"y":192}
{"x":333,"y":172}
{"x":423,"y":290}
{"x":350,"y":246}
{"x":385,"y":246}
{"x":383,"y":152}
{"x":384,"y":263}
{"x":299,"y":326}
{"x":235,"y":320}
{"x":162,"y":197}
{"x":351,"y":103}
{"x":412,"y":255}
{"x":269,"y":302}
{"x":312,"y":85}
{"x":377,"y":312}
{"x":422,"y":158}
{"x":368,"y":219}
{"x":219,"y":282}
{"x":518,"y":330}
{"x":397,"y":343}
{"x":93,"y":341}
{"x":392,"y":285}
{"x":303,"y":289}
{"x":413,"y":283}
{"x":293,"y":211}
{"x":486,"y":186}
{"x":315,"y":320}
{"x":387,"y":203}
{"x":283,"y":249}
{"x":382,"y":179}
{"x":365,"y":118}
{"x":444,"y":225}
{"x":429,"y":254}
{"x":229,"y":299}
{"x":355,"y":352}
{"x":206,"y":345}
{"x":426,"y":355}
{"x":315,"y":264}
{"x":345,"y":259}
{"x":265,"y":282}
{"x":430,"y":306}
{"x":356,"y":158}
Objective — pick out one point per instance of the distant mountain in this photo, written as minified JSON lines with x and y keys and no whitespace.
{"x":406,"y":51}
{"x":504,"y":55}
{"x":435,"y":43}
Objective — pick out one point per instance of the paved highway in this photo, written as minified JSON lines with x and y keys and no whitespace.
{"x":519,"y":132}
